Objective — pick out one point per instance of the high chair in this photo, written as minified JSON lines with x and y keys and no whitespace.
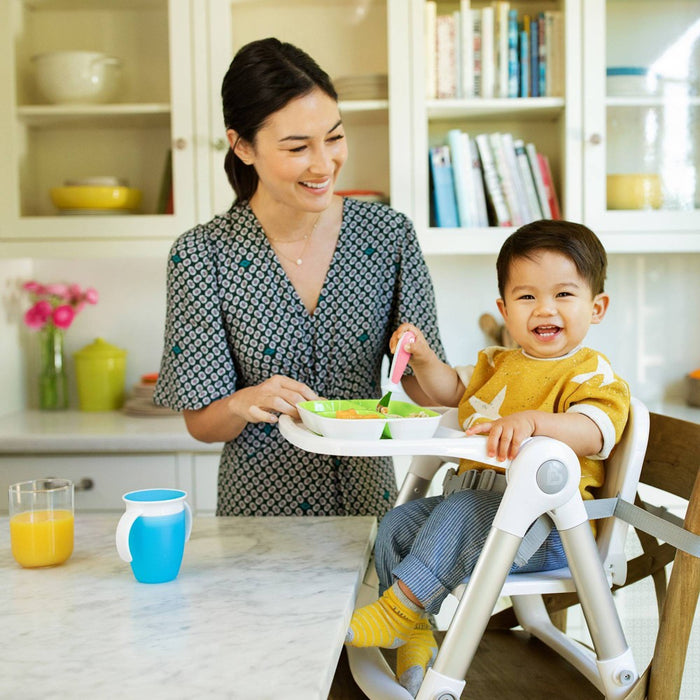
{"x":543,"y":478}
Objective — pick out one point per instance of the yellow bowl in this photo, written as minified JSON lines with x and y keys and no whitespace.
{"x":95,"y":197}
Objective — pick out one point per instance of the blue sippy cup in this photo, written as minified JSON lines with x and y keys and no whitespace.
{"x":152,"y":532}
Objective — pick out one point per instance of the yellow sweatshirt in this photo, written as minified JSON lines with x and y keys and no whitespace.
{"x":508,"y":381}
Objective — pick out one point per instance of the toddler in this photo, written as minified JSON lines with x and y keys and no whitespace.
{"x":551,"y":283}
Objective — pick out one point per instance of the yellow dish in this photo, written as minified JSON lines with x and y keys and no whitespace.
{"x":95,"y":197}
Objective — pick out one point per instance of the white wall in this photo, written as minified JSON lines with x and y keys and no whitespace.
{"x":651,"y":332}
{"x":130,"y":313}
{"x":12,"y":361}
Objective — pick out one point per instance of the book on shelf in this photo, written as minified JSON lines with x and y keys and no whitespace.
{"x":541,"y":56}
{"x":507,"y":178}
{"x":554,"y":47}
{"x":488,"y":57}
{"x":501,"y":8}
{"x":513,"y":61}
{"x":494,"y":50}
{"x":536,"y":171}
{"x":549,"y":186}
{"x":446,"y":52}
{"x":466,"y":49}
{"x":534,"y":59}
{"x":443,"y":188}
{"x":528,"y":180}
{"x":524,"y":52}
{"x":525,"y":211}
{"x":493,"y":187}
{"x":468,"y":180}
{"x":476,"y":43}
{"x":461,"y":172}
{"x":479,"y":196}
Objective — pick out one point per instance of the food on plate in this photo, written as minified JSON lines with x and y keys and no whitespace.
{"x":352,"y":414}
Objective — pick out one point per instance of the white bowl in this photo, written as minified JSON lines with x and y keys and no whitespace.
{"x":413,"y":428}
{"x":319,"y":417}
{"x":76,"y":77}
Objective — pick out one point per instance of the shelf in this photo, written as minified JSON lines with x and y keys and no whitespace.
{"x":488,"y":241}
{"x":657,"y":101}
{"x":113,"y":115}
{"x":520,"y":108}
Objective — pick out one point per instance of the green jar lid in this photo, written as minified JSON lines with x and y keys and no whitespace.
{"x":100,"y":349}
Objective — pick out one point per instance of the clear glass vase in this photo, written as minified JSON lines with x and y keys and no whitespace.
{"x":53,"y":382}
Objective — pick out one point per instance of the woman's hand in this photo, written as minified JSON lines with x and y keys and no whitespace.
{"x":225,"y":419}
{"x":264,"y":402}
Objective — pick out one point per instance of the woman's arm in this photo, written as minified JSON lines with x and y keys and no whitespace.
{"x":224,"y":419}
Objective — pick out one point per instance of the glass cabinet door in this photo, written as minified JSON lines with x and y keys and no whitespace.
{"x":641,"y":74}
{"x":91,"y":168}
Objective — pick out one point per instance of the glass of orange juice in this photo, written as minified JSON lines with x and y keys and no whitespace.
{"x":41,"y":521}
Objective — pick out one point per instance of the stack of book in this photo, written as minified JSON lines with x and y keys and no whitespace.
{"x":490,"y":180}
{"x":493,"y":51}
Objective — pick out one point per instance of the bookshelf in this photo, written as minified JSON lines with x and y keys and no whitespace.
{"x":543,"y":121}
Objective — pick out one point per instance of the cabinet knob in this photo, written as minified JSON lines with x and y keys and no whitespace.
{"x":595,"y":139}
{"x":85,"y":484}
{"x":219,"y":144}
{"x":180,"y":144}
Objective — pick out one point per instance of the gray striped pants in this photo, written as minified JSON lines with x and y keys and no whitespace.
{"x":432,"y":544}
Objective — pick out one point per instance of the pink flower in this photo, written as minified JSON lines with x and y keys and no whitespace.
{"x":63,"y":316}
{"x":37,"y":316}
{"x":58,"y":290}
{"x":56,"y":304}
{"x":33,"y":287}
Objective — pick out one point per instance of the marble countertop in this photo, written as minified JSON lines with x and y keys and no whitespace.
{"x":80,"y":431}
{"x":55,"y":432}
{"x":259,"y":611}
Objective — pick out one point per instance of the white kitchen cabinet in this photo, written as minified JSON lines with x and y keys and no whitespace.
{"x":549,"y":122}
{"x":101,"y":479}
{"x":130,"y":138}
{"x":569,"y":129}
{"x":647,"y":132}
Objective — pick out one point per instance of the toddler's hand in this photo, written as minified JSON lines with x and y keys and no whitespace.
{"x":418,"y":349}
{"x":506,"y":435}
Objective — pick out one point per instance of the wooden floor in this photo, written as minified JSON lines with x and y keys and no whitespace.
{"x":508,"y":666}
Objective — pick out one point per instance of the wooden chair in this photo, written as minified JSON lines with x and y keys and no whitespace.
{"x":510,"y":663}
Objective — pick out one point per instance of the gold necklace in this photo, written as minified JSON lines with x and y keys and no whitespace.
{"x":306,"y":237}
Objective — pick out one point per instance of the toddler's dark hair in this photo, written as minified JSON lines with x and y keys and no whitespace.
{"x":576,"y":241}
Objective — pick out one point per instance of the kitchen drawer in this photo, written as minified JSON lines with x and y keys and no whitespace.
{"x":204,"y":477}
{"x":100,"y":480}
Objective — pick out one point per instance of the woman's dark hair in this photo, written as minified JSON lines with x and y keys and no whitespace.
{"x":263,"y":77}
{"x":575,"y":241}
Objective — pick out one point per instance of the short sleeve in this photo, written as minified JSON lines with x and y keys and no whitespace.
{"x":603,"y":397}
{"x":196,"y":366}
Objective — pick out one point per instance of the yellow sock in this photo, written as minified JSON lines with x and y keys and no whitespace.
{"x":415,"y":657}
{"x":385,"y":623}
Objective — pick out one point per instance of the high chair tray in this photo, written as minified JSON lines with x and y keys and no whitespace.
{"x":447,"y":442}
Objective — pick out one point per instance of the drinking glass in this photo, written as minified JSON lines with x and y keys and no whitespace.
{"x":41,"y":521}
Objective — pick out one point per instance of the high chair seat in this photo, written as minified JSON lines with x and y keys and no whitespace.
{"x":594,"y":567}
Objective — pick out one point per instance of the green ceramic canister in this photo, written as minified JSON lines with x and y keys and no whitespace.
{"x":100,"y":370}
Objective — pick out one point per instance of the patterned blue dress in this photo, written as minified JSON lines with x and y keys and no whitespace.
{"x":234,"y":319}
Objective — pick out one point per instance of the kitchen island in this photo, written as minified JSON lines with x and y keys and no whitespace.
{"x":259,"y":610}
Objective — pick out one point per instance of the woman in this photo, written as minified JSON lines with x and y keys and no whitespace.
{"x":291,"y":295}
